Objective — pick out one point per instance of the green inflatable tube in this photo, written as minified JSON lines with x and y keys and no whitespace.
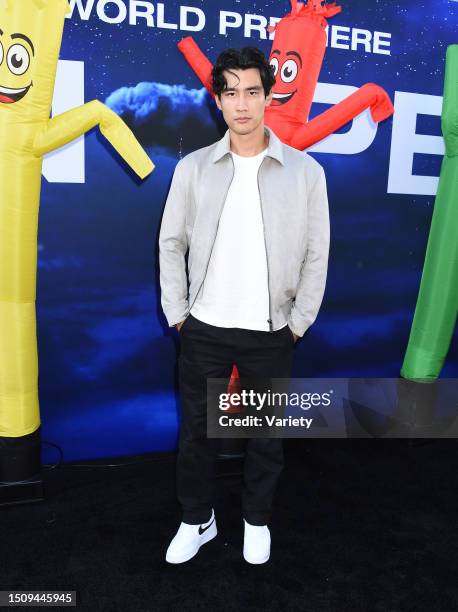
{"x":437,"y":304}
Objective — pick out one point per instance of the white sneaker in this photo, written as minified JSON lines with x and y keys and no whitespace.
{"x":256,"y":543}
{"x":188,"y":540}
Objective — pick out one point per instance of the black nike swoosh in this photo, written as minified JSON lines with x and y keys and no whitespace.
{"x":201,"y":531}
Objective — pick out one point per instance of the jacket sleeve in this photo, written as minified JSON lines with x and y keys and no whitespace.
{"x":312,"y":281}
{"x":173,"y":245}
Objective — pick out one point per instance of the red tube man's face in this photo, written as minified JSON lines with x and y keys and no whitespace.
{"x":287,"y":66}
{"x":297,"y":54}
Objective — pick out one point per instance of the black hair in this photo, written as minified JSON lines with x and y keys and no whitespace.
{"x":241,"y":59}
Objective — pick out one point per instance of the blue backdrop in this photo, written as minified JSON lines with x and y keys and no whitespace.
{"x":107,"y":357}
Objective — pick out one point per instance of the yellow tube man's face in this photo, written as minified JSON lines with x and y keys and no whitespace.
{"x":30,"y":37}
{"x":16,"y":57}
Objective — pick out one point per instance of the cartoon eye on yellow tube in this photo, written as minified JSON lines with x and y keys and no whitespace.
{"x":30,"y":39}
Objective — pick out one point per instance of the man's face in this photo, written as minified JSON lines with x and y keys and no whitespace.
{"x":243,"y":102}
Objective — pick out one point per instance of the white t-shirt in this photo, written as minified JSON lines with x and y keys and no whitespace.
{"x":235,"y":290}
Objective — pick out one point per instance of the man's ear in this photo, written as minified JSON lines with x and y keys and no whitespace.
{"x":218,"y":102}
{"x":269,"y":98}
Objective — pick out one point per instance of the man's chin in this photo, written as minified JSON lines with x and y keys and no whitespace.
{"x":242,"y":129}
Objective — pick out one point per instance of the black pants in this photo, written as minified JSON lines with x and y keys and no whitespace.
{"x":210,"y":352}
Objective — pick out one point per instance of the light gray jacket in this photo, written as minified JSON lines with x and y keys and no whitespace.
{"x":294,"y":207}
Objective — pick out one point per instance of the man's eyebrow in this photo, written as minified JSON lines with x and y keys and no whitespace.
{"x":257,"y":87}
{"x":296,"y":54}
{"x":24,"y":37}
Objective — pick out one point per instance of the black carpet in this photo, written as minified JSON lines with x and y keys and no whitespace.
{"x":358,"y":525}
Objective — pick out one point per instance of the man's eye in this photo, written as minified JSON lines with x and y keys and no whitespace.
{"x":253,"y":93}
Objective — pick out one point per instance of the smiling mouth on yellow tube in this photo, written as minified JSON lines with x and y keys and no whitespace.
{"x":10,"y":96}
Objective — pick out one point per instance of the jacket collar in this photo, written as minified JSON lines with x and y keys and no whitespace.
{"x":274,"y":148}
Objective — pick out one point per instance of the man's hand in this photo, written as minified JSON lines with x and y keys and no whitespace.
{"x":180,"y":325}
{"x":295,"y":337}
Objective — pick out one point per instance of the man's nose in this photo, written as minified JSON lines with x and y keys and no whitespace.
{"x":242,"y":103}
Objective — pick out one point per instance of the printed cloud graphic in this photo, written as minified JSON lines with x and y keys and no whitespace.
{"x":157,"y":112}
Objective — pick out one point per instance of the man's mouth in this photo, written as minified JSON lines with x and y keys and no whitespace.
{"x":280,"y":98}
{"x":10,"y":96}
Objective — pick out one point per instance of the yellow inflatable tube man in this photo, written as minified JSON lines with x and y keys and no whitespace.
{"x":30,"y":39}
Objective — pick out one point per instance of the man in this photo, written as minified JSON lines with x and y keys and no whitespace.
{"x":252,"y":214}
